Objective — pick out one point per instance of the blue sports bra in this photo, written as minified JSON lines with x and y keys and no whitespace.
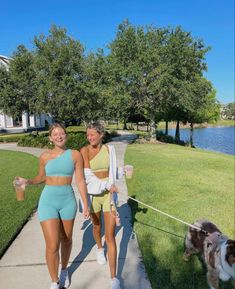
{"x":63,"y":165}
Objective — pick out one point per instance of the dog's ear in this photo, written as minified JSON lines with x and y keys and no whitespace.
{"x":230,"y":254}
{"x":231,"y":247}
{"x":231,"y":243}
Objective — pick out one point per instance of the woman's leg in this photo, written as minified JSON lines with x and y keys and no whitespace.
{"x":96,"y":221}
{"x":109,"y":223}
{"x":66,"y":241}
{"x":51,"y":231}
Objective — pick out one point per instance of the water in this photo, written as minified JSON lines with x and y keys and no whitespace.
{"x":219,"y":139}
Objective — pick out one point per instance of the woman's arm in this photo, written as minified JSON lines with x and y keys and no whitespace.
{"x":41,"y":177}
{"x":80,"y":181}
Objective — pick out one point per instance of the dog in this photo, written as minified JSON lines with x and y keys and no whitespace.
{"x":216,"y":250}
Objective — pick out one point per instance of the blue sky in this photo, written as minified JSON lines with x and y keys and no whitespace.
{"x":95,"y":23}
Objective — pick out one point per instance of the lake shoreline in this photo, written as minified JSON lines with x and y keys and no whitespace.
{"x":221,"y":123}
{"x":218,"y":139}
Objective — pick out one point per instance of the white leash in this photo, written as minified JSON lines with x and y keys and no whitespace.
{"x":172,"y":217}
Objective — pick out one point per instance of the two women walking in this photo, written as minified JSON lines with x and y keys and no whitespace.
{"x":93,"y":170}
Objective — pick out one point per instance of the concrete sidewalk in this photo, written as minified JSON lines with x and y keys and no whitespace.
{"x":23,"y":265}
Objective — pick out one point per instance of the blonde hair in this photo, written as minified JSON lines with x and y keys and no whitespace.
{"x":97,"y":126}
{"x":56,"y":125}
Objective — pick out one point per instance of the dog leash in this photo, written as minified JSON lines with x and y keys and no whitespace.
{"x":170,"y":216}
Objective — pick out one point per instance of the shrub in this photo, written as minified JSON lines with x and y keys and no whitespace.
{"x":10,"y":138}
{"x":168,"y":138}
{"x":76,"y":140}
{"x":38,"y":141}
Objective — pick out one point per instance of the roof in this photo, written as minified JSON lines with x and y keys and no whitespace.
{"x":5,"y":61}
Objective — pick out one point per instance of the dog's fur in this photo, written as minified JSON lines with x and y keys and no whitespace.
{"x":216,"y":250}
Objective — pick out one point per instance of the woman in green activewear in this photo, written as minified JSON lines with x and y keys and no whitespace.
{"x":98,"y":160}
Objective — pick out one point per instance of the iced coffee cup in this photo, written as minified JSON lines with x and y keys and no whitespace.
{"x":128,"y":171}
{"x":19,"y":189}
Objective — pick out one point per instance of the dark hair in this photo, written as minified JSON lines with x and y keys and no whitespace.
{"x":56,"y":125}
{"x":97,"y":126}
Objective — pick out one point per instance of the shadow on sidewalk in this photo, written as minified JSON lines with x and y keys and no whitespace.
{"x":88,"y":242}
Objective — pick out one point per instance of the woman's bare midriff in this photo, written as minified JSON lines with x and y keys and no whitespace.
{"x":58,"y":181}
{"x":102,"y":175}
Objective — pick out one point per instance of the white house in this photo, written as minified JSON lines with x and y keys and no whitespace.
{"x":26,"y":122}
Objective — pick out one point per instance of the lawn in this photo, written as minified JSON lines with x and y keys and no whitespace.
{"x":189,"y":184}
{"x":14,"y":214}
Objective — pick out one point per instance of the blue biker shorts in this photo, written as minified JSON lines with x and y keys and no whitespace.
{"x":57,"y":202}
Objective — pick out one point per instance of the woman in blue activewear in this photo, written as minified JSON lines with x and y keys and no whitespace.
{"x":57,"y":205}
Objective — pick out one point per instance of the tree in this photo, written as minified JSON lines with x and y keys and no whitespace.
{"x":185,"y":62}
{"x":59,"y":74}
{"x":229,"y":110}
{"x":18,"y":90}
{"x":136,"y":54}
{"x":94,"y":84}
{"x":203,"y":106}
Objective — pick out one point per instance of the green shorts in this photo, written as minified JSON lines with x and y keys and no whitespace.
{"x":100,"y":202}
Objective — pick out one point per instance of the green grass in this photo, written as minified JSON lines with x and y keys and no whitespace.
{"x":189,"y":184}
{"x":224,"y":122}
{"x":13,"y":213}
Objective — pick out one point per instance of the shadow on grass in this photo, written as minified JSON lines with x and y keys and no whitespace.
{"x":164,"y":264}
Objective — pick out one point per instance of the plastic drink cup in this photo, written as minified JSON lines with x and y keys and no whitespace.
{"x":20,"y":190}
{"x":129,"y":171}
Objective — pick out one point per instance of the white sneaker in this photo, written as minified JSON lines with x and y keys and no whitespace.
{"x":54,"y":285}
{"x":115,"y":284}
{"x":64,"y":279}
{"x":100,"y":256}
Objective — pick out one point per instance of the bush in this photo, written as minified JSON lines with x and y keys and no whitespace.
{"x":76,"y":140}
{"x":168,"y":138}
{"x":10,"y":138}
{"x":38,"y":141}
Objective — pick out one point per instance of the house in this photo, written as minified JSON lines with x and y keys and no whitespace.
{"x":26,"y":122}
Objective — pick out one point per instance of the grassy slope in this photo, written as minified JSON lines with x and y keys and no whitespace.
{"x":189,"y":184}
{"x":14,"y":213}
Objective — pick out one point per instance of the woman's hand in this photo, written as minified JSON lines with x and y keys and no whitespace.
{"x":19,"y":181}
{"x":113,"y":189}
{"x":86,"y":213}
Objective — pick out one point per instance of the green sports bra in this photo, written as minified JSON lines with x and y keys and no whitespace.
{"x":101,"y":161}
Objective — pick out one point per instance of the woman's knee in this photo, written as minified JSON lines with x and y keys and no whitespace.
{"x":110,"y":238}
{"x":52,"y":248}
{"x":97,"y":228}
{"x":66,"y":240}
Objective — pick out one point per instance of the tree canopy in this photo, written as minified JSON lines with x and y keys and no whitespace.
{"x":146,"y":73}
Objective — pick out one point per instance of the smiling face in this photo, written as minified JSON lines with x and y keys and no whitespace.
{"x":94,"y":137}
{"x":58,"y":137}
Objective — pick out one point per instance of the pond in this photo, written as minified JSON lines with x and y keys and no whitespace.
{"x":219,"y":139}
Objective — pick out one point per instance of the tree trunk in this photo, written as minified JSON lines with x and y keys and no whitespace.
{"x":117,"y":123}
{"x":124,"y":125}
{"x":153,"y":129}
{"x":191,"y":135}
{"x":137,"y":126}
{"x":177,"y":132}
{"x":166,"y":129}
